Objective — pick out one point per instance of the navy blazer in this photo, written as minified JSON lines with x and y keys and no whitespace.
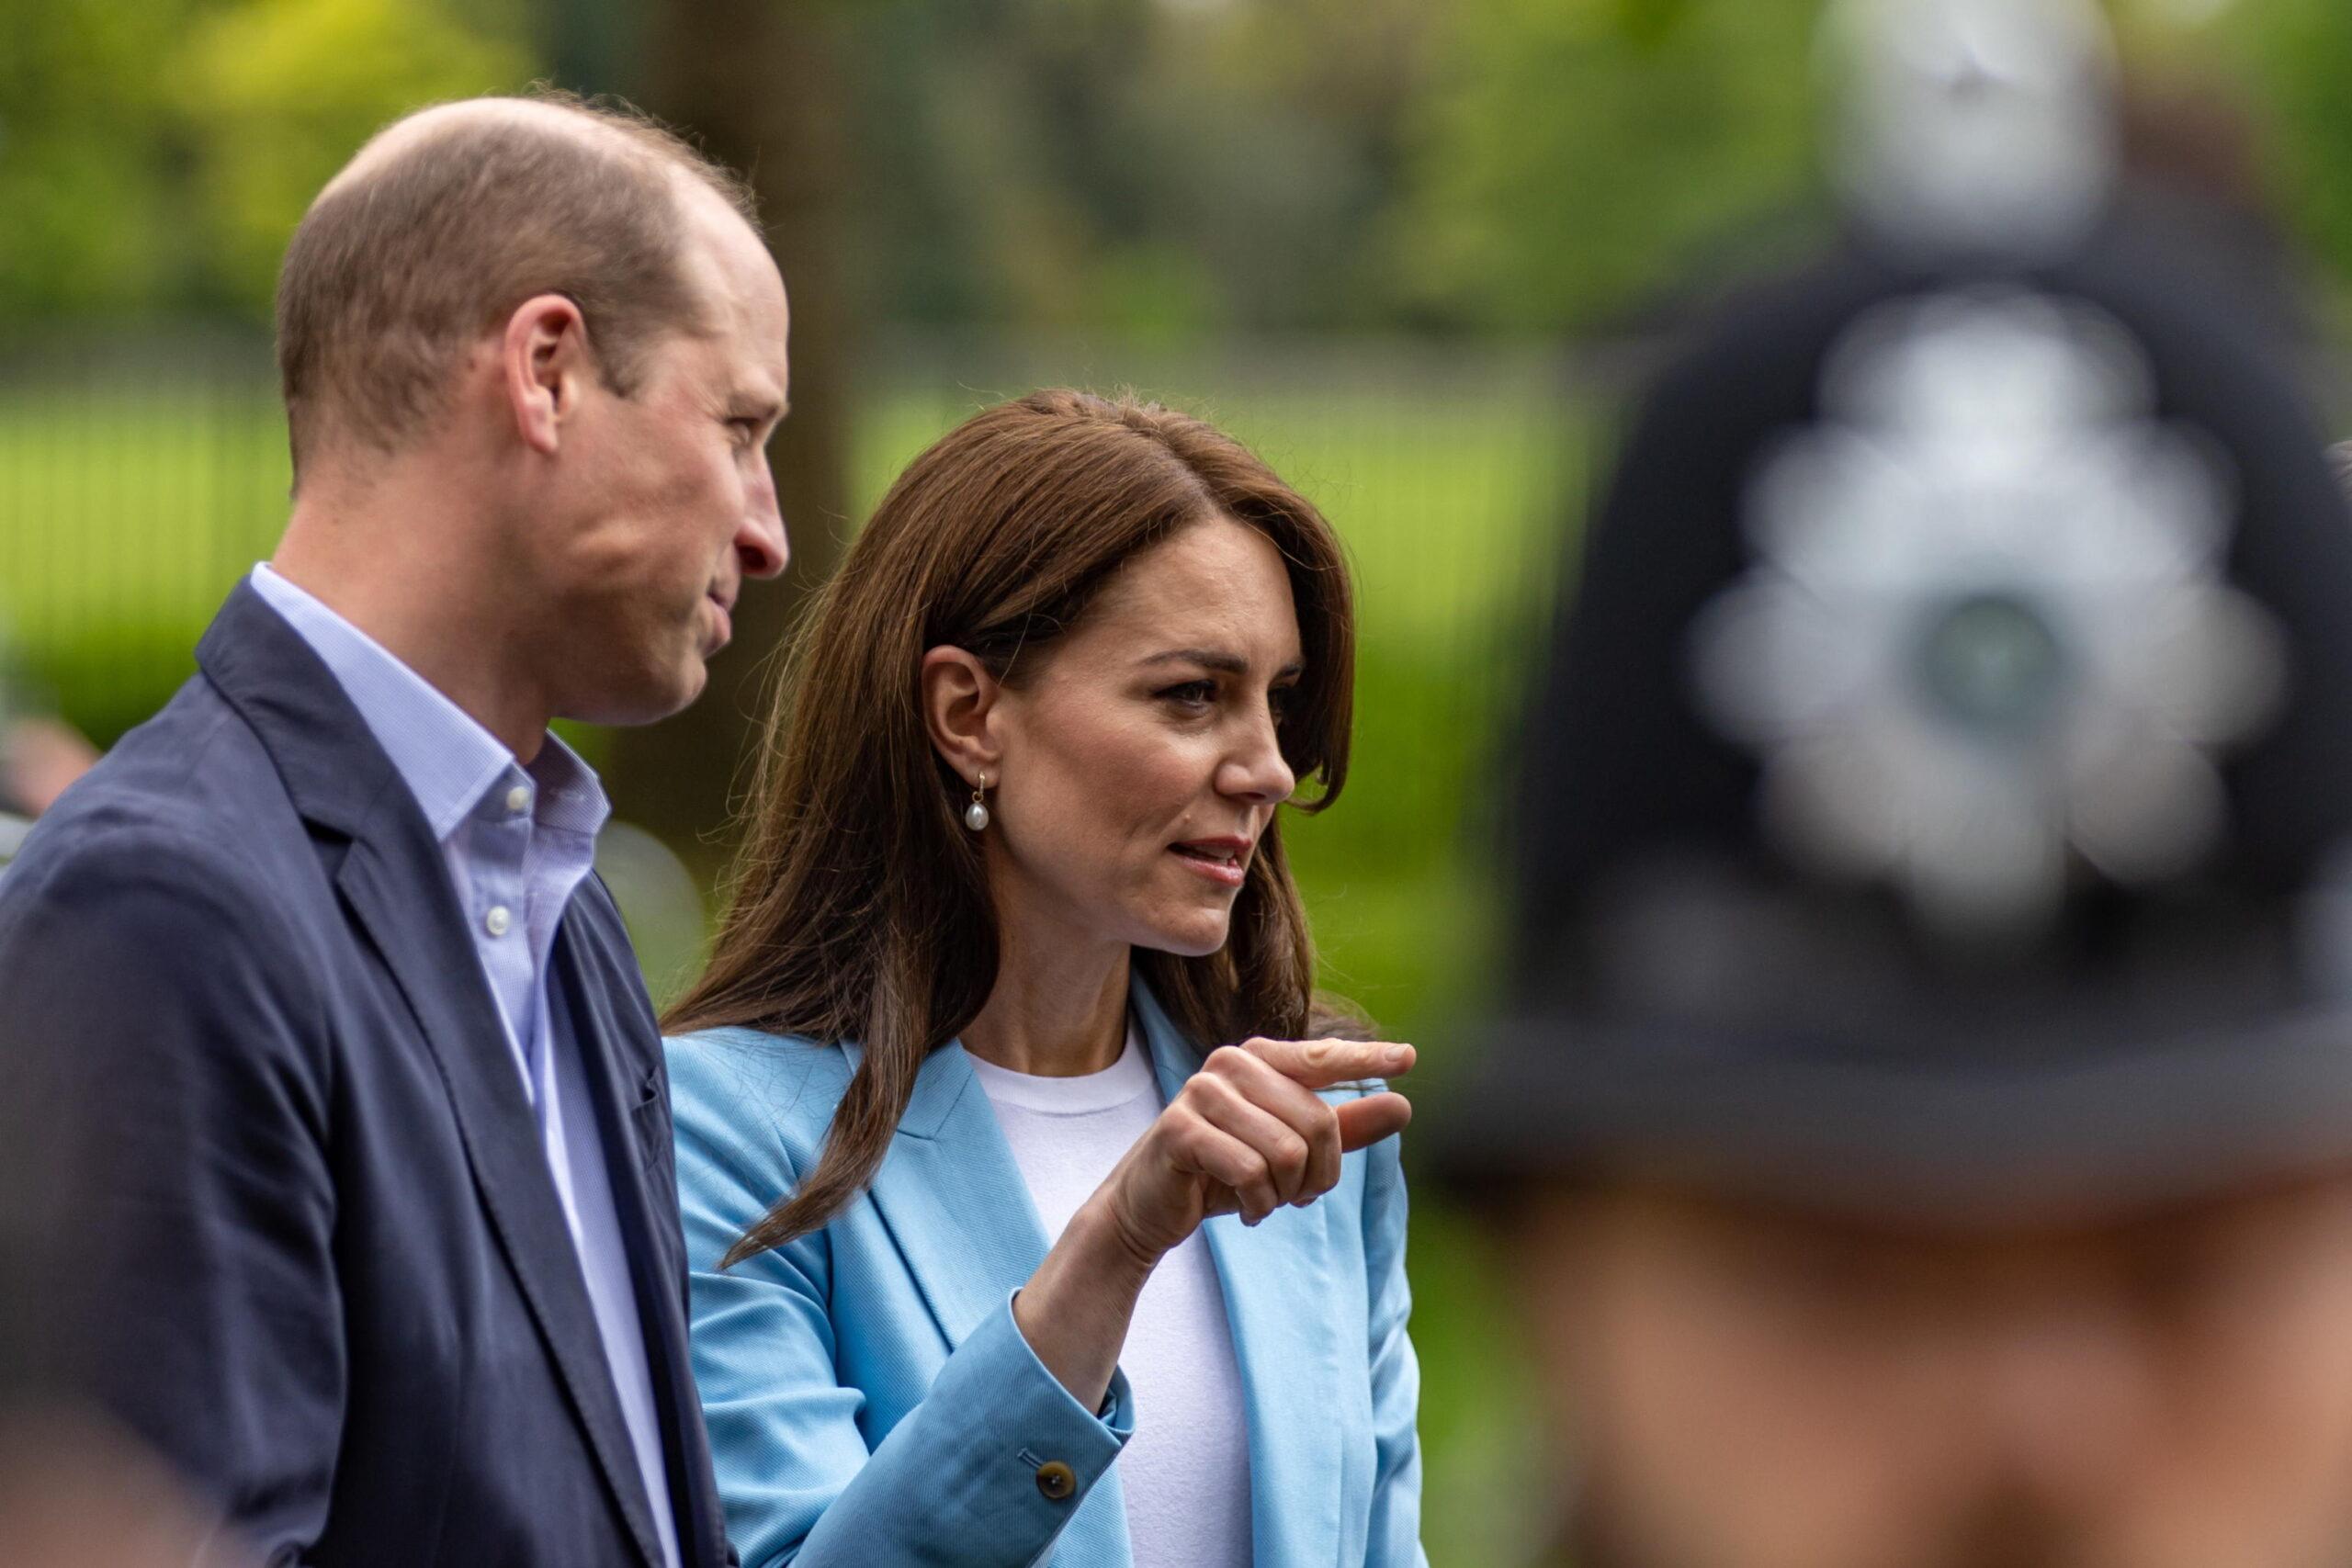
{"x":316,"y":1258}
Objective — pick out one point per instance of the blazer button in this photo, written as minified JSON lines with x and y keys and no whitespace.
{"x":1057,"y":1479}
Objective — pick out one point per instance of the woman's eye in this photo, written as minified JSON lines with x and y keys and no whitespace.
{"x":1192,"y":694}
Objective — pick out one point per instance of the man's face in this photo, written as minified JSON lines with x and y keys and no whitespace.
{"x":670,"y":505}
{"x":1749,"y":1388}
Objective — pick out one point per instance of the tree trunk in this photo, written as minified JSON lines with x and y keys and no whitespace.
{"x":758,"y":82}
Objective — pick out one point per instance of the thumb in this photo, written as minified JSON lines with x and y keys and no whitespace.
{"x":1373,"y":1118}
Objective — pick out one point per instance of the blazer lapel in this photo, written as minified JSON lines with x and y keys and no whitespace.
{"x":961,"y":1214}
{"x":394,"y":881}
{"x":1276,"y":1278}
{"x":954,"y":1200}
{"x":625,"y":1089}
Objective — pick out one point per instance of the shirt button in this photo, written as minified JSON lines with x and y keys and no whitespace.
{"x":518,"y":798}
{"x":1057,"y":1479}
{"x":497,"y":920}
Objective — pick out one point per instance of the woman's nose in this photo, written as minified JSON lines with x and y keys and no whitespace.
{"x":1258,"y":771}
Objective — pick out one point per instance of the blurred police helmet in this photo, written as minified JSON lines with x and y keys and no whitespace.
{"x":1939,"y":800}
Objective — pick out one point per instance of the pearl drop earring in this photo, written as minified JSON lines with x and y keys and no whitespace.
{"x":976,"y":815}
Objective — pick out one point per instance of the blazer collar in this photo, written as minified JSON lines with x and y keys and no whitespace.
{"x":956,"y":1206}
{"x":331,"y":763}
{"x":396,"y":885}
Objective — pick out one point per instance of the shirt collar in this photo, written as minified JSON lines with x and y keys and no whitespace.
{"x":450,"y":763}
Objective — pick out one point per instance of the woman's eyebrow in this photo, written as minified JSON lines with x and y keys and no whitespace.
{"x":1219,"y":660}
{"x":1215,"y":658}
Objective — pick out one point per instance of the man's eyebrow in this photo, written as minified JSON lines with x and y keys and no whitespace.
{"x":1216,"y":659}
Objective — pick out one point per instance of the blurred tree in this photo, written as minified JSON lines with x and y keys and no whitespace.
{"x":588,"y":44}
{"x":1161,"y":167}
{"x":759,"y":81}
{"x":276,"y":94}
{"x":88,"y":155}
{"x":2295,"y":58}
{"x":156,"y":153}
{"x":1169,"y":166}
{"x":1570,"y":155}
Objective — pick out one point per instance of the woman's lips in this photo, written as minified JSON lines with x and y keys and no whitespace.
{"x":1223,"y":861}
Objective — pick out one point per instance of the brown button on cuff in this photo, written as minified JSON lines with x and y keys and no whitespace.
{"x":1057,"y":1479}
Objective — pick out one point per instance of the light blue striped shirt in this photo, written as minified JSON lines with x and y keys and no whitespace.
{"x":518,"y":840}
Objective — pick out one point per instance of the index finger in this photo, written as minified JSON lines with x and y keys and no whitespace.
{"x":1326,"y":1063}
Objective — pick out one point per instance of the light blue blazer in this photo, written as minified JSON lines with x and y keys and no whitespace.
{"x":871,"y":1402}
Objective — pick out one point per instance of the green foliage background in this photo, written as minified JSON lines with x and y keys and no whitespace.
{"x":1199,"y":197}
{"x":1157,"y":168}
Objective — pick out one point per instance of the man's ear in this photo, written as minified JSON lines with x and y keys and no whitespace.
{"x":959,"y":709}
{"x":544,"y":364}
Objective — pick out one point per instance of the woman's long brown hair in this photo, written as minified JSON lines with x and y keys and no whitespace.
{"x":858,"y":909}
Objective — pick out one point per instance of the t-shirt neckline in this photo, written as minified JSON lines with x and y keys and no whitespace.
{"x":1117,"y":1085}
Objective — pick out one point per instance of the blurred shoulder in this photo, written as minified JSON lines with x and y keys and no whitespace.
{"x":189,"y":796}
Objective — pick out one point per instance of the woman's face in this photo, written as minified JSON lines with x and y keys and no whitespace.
{"x":1138,"y":766}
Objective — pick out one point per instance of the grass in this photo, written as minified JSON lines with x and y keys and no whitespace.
{"x":125,"y":514}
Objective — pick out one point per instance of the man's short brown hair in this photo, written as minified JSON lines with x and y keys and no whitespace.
{"x":397,"y":266}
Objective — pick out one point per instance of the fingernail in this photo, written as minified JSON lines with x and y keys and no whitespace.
{"x":1399,"y":1058}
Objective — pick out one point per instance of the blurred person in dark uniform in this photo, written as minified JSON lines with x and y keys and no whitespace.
{"x":1922,"y":1121}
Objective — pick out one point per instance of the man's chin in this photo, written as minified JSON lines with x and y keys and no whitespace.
{"x":650,"y":702}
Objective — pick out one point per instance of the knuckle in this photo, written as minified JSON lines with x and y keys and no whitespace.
{"x":1318,"y":1053}
{"x":1209,"y":1092}
{"x":1225,"y":1060}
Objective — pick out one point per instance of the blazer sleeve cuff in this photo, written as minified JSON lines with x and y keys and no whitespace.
{"x":1034,"y":1422}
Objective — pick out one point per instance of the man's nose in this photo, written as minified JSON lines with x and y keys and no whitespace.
{"x":760,"y":542}
{"x":2067,"y":1388}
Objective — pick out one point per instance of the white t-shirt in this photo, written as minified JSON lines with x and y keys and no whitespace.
{"x":1186,"y":1470}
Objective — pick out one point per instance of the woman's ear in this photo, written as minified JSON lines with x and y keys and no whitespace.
{"x":959,"y":706}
